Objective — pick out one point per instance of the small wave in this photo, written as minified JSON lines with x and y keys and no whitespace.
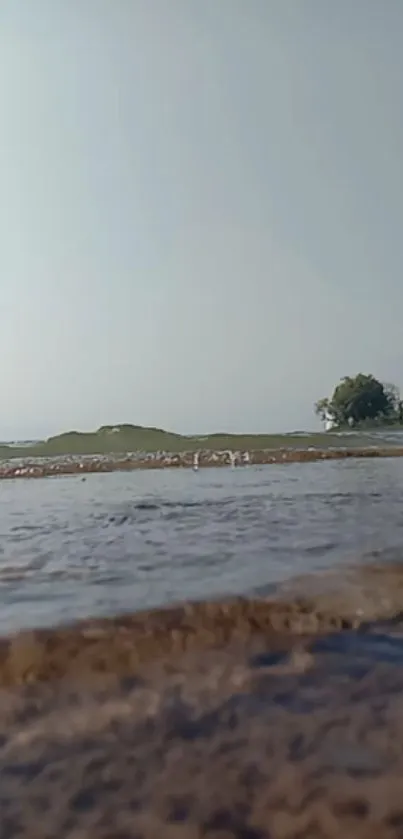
{"x":171,"y":508}
{"x":368,"y":599}
{"x":181,"y":505}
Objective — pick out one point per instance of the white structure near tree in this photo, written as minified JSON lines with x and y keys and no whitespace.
{"x":329,"y":422}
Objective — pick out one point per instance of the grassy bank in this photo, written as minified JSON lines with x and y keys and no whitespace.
{"x":123,"y":439}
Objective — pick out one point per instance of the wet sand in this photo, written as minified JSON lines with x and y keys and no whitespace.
{"x":37,"y":468}
{"x":252,"y":719}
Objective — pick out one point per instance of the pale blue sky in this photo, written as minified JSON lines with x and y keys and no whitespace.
{"x":201,"y":209}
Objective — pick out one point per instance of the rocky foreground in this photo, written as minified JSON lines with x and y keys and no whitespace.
{"x":250,"y":719}
{"x":82,"y":465}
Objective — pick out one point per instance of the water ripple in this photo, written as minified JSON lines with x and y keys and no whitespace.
{"x":119,"y":542}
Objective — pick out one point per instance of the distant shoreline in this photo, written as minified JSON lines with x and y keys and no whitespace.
{"x":118,"y":441}
{"x":88,"y":464}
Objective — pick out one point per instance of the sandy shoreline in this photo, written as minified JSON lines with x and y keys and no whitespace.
{"x":92,"y":464}
{"x":246,"y":719}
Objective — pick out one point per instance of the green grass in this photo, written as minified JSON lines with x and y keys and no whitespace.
{"x":131,"y":438}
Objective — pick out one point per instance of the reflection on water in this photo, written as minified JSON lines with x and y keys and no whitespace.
{"x":120,"y":542}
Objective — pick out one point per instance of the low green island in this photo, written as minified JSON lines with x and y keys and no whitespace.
{"x":360,"y":409}
{"x":122,"y":439}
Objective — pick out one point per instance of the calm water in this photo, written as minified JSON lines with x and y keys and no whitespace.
{"x":72,"y":548}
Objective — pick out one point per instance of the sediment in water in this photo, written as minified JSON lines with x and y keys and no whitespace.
{"x":122,"y":645}
{"x":278,"y":718}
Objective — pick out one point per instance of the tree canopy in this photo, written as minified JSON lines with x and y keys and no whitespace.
{"x":361,"y":398}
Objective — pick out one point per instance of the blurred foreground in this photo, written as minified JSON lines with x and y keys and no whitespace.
{"x":278,"y":718}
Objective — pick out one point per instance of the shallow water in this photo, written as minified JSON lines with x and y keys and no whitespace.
{"x":278,"y":726}
{"x":115,"y":542}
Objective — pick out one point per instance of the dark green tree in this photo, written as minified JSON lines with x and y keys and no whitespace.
{"x":360,"y":398}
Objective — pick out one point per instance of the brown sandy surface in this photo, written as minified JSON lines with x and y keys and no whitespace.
{"x":85,"y":465}
{"x":243,"y":719}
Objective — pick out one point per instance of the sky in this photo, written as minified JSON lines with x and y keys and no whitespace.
{"x":201,"y":209}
